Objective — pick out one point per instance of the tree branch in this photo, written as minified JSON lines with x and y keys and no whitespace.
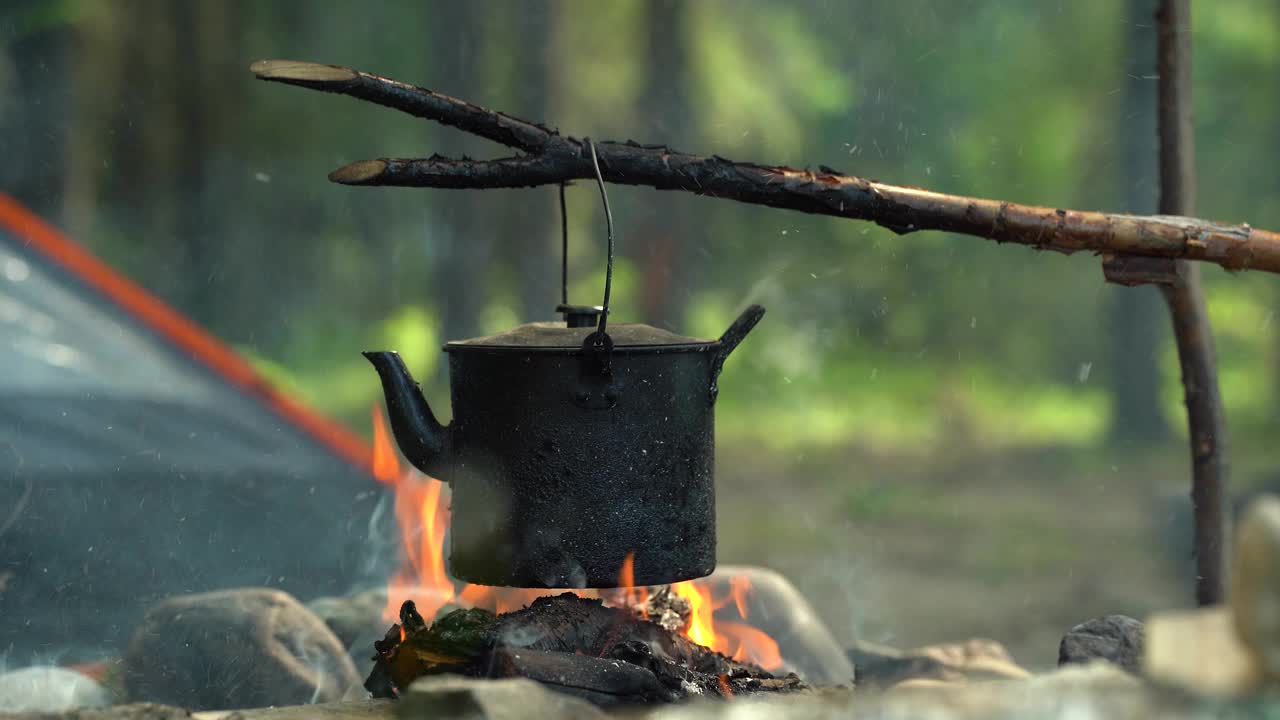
{"x":413,"y":100}
{"x":1185,"y":299}
{"x":902,"y":209}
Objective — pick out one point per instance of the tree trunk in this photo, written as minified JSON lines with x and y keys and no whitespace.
{"x":526,"y":220}
{"x":1136,"y":326}
{"x":462,"y":253}
{"x":663,"y":253}
{"x":33,"y":112}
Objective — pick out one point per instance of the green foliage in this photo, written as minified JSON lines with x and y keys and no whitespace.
{"x":871,"y":338}
{"x":339,"y":381}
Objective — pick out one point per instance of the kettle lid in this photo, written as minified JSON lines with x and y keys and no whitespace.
{"x":570,"y":333}
{"x":555,"y":335}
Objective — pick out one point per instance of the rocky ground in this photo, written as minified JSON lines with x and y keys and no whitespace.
{"x":1095,"y":545}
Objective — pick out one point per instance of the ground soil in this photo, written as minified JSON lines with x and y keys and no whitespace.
{"x":1015,"y":545}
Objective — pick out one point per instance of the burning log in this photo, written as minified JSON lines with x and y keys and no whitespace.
{"x":579,"y":646}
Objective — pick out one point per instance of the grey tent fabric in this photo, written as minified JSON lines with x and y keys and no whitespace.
{"x":130,"y":471}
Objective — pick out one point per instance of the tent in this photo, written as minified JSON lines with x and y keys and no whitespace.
{"x":141,"y":458}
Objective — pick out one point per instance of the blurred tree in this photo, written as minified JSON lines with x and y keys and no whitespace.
{"x":1136,"y":316}
{"x":523,"y":226}
{"x":34,"y":39}
{"x":150,"y":165}
{"x":464,"y":249}
{"x":663,"y":245}
{"x":208,"y":188}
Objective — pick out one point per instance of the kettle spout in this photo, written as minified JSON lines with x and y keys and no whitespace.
{"x":421,"y":437}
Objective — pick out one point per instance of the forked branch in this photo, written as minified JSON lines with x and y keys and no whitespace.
{"x":552,"y":158}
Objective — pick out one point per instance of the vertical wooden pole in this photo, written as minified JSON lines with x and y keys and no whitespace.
{"x":1185,"y":299}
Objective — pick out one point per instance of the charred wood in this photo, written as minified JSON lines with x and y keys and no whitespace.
{"x":579,"y":646}
{"x":551,"y":158}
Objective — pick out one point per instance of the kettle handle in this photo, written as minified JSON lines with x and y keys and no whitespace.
{"x":736,"y":333}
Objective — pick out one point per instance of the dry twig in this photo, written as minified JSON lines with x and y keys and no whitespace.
{"x":552,"y":158}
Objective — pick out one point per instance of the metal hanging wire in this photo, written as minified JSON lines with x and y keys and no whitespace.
{"x":564,"y":250}
{"x":608,"y":219}
{"x":599,"y":338}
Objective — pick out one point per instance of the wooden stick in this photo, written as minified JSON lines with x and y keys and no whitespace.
{"x":555,"y":158}
{"x":1185,"y":299}
{"x":411,"y":99}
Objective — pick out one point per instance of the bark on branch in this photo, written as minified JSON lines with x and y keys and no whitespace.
{"x":1185,"y":298}
{"x":553,"y":158}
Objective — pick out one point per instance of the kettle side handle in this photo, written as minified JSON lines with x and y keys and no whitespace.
{"x":736,"y":333}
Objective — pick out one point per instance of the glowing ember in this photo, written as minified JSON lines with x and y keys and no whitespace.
{"x":422,"y":513}
{"x":724,"y":686}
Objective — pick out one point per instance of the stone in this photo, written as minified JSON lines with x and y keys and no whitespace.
{"x":1115,"y":638}
{"x":451,"y":697}
{"x":778,"y":608}
{"x":1095,"y":691}
{"x":136,"y":711}
{"x":49,"y":689}
{"x":1199,"y":650}
{"x":357,"y":710}
{"x":356,"y":619}
{"x":977,"y":659}
{"x":1255,"y":585}
{"x":231,"y":649}
{"x":1232,"y":649}
{"x":880,"y":666}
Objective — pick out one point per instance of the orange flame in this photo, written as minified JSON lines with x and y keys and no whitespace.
{"x":386,"y":467}
{"x":736,"y":640}
{"x":423,"y":520}
{"x":632,"y":596}
{"x":422,"y":513}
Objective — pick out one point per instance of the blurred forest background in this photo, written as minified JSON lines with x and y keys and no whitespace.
{"x":935,"y":436}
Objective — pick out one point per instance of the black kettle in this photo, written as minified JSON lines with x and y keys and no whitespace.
{"x":572,"y":445}
{"x":564,"y":455}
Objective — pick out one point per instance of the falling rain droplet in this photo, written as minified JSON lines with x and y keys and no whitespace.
{"x":1082,"y":374}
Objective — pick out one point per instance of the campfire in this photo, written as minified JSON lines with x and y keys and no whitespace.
{"x":683,"y":633}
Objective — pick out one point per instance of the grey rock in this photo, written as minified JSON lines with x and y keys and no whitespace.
{"x":450,"y":697}
{"x":1255,"y":585}
{"x":233,"y":649}
{"x":357,"y":710}
{"x":975,"y":659}
{"x":354,"y":618}
{"x":878,"y":666}
{"x":1089,"y":692}
{"x":775,"y":606}
{"x":1116,"y":639}
{"x":49,"y":689}
{"x":137,"y":711}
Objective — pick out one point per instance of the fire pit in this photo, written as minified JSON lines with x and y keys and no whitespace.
{"x":580,"y":455}
{"x":629,"y":644}
{"x":607,"y":655}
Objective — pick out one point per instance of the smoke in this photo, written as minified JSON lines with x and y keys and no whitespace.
{"x":381,"y":543}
